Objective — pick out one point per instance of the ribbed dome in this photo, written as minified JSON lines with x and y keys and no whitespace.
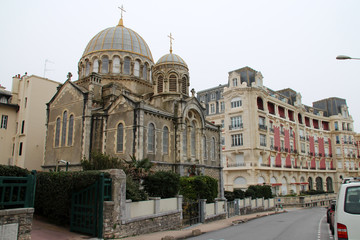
{"x":118,"y":38}
{"x":171,"y":58}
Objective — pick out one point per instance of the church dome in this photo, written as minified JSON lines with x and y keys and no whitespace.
{"x":118,"y":39}
{"x":171,"y":58}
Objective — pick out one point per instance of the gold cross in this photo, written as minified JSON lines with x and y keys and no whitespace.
{"x":171,"y":38}
{"x":122,"y":10}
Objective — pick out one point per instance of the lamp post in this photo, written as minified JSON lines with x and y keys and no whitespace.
{"x":343,"y":57}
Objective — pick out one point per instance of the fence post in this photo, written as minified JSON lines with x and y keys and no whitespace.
{"x":156,"y":204}
{"x":179,"y":205}
{"x":202,"y":210}
{"x":237,"y":206}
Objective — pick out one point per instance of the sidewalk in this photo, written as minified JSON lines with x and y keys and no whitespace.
{"x":46,"y":231}
{"x":202,"y":228}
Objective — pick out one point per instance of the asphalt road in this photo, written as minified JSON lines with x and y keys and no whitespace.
{"x":309,"y":224}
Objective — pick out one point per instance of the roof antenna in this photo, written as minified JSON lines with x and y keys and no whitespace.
{"x":46,"y":69}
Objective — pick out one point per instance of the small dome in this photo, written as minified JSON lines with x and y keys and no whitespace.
{"x":121,"y":39}
{"x":172,"y":59}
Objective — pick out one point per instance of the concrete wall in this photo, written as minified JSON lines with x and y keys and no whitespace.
{"x":16,"y":223}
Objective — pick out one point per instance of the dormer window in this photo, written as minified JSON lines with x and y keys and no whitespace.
{"x":234,"y":82}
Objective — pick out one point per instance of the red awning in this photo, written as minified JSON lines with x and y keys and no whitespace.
{"x":276,"y":184}
{"x":304,"y":183}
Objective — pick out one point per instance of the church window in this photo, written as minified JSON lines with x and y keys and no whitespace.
{"x":137,"y":69}
{"x":116,"y":65}
{"x":193,"y":139}
{"x":185,"y":142}
{"x":120,"y":138}
{"x":71,"y":130}
{"x":204,"y":148}
{"x":127,"y":66}
{"x":212,"y":149}
{"x":166,"y":140}
{"x":87,"y":69}
{"x":20,"y":148}
{"x":184,"y":86}
{"x":63,"y":133}
{"x":105,"y":64}
{"x":172,"y":83}
{"x":57,"y":132}
{"x":144,"y":73}
{"x":96,"y":66}
{"x":151,"y":138}
{"x":160,"y":83}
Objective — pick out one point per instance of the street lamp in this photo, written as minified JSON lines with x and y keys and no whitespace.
{"x":343,"y":57}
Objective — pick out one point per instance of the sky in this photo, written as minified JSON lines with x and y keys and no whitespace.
{"x":293,"y":43}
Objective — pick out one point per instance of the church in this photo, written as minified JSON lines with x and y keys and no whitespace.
{"x":124,"y":104}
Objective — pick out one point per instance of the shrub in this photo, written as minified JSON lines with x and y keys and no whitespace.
{"x":54,"y":191}
{"x":133,"y":190}
{"x":239,"y":194}
{"x":199,"y":187}
{"x":13,"y":171}
{"x":162,"y":184}
{"x":100,"y":161}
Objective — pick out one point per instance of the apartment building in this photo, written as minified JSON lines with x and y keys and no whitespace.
{"x":270,"y":137}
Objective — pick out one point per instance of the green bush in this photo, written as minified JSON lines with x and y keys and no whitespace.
{"x":133,"y":191}
{"x":13,"y":171}
{"x":199,"y":187}
{"x":100,"y":161}
{"x":239,"y":194}
{"x":54,"y":191}
{"x":162,"y":184}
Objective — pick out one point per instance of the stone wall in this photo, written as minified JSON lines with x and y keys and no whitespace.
{"x":16,"y":223}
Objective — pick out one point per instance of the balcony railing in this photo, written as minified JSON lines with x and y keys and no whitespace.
{"x":302,"y":138}
{"x":262,"y":127}
{"x":233,"y":127}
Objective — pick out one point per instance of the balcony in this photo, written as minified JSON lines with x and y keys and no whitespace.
{"x":234,"y":127}
{"x":302,"y":138}
{"x":236,"y":165}
{"x":262,"y":127}
{"x":264,"y":165}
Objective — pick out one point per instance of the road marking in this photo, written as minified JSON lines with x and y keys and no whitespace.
{"x":319,"y":228}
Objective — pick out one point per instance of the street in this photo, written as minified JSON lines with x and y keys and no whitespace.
{"x":295,"y":224}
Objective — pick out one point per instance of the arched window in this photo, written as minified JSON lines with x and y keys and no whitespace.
{"x":165,"y":140}
{"x":57,"y":132}
{"x":104,"y":64}
{"x":193,"y":140}
{"x":283,"y":186}
{"x":87,"y":69}
{"x":160,"y":84}
{"x":151,"y":138}
{"x":116,"y":65}
{"x":260,"y":103}
{"x":319,"y":184}
{"x":261,"y":180}
{"x":204,"y":148}
{"x":172,"y":83}
{"x":63,"y":133}
{"x":96,"y":66}
{"x":137,"y":69}
{"x":144,"y":71}
{"x":71,"y":130}
{"x":329,"y":185}
{"x":184,"y":138}
{"x":120,"y":138}
{"x":310,"y":183}
{"x":240,"y":181}
{"x":212,"y":149}
{"x":184,"y":85}
{"x":127,"y":66}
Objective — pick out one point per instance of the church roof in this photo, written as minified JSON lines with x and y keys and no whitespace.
{"x":118,"y":38}
{"x":172,"y":59}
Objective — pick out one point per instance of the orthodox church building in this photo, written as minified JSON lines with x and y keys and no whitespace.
{"x":123,"y":104}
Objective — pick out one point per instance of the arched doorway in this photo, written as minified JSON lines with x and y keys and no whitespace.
{"x":319,"y":184}
{"x":310,"y":181}
{"x":329,"y":184}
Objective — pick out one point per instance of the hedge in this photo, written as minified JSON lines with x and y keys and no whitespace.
{"x":13,"y":171}
{"x":199,"y":187}
{"x":54,"y":191}
{"x":162,"y":184}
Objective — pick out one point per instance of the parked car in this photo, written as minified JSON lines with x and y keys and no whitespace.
{"x":347,"y":214}
{"x":330,"y":209}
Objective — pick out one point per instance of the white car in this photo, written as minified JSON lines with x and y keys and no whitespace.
{"x":347,"y":213}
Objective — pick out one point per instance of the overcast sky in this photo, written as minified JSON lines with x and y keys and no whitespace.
{"x":292,"y":43}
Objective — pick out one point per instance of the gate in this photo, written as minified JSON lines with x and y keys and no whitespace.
{"x":231,"y":211}
{"x":191,"y":212}
{"x":87,"y":208}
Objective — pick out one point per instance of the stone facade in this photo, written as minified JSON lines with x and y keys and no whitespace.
{"x":16,"y":223}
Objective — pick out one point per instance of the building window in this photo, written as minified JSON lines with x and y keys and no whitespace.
{"x":127,"y":66}
{"x":222,"y":123}
{"x":120,"y":138}
{"x":193,"y":140}
{"x":57,"y":132}
{"x":166,"y":140}
{"x":145,"y":71}
{"x":20,"y":148}
{"x":222,"y":107}
{"x":104,"y":64}
{"x":96,"y":66}
{"x":4,"y":120}
{"x":336,"y":126}
{"x":172,"y":83}
{"x":212,"y":96}
{"x":116,"y":65}
{"x":235,"y":82}
{"x":160,"y":83}
{"x":236,"y":102}
{"x":212,"y":108}
{"x":71,"y":130}
{"x":236,"y":140}
{"x":184,"y":86}
{"x":303,"y":147}
{"x":185,"y":141}
{"x":87,"y":68}
{"x":23,"y":127}
{"x":236,"y":122}
{"x":63,"y":133}
{"x":137,"y":69}
{"x":262,"y":140}
{"x":151,"y":138}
